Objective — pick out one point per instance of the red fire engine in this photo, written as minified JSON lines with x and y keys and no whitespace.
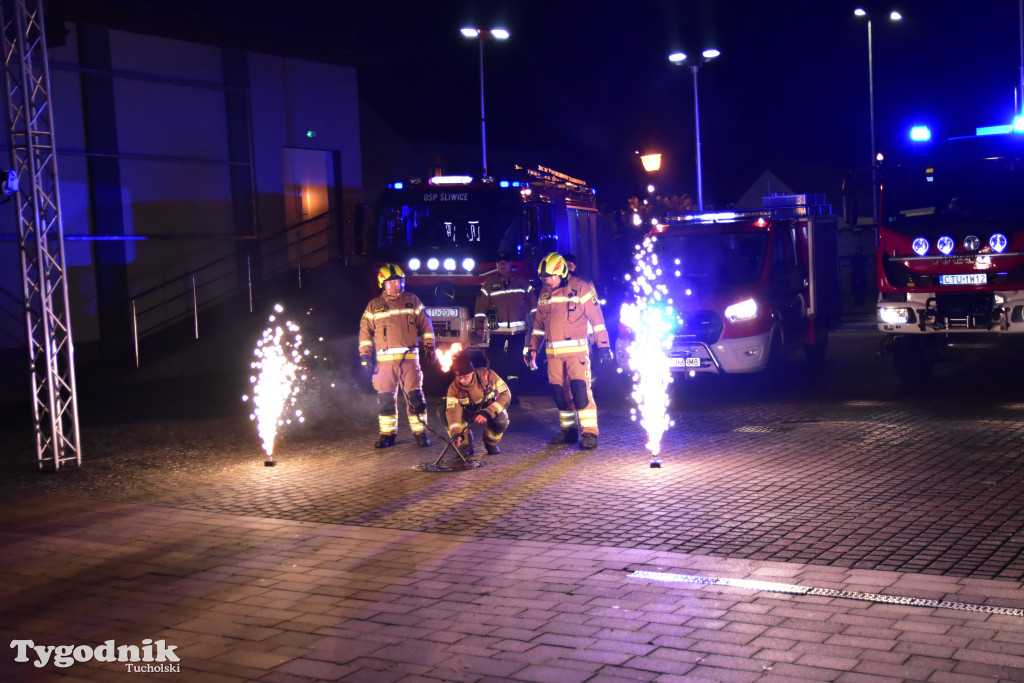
{"x":749,"y":286}
{"x":446,"y":232}
{"x":950,"y":257}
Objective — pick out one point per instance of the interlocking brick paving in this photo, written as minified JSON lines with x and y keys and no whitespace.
{"x":840,"y":468}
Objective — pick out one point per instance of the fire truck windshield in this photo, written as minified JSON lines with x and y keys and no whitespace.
{"x":718,"y":259}
{"x":967,"y":179}
{"x":477,"y":229}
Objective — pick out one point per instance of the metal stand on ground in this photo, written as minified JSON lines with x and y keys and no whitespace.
{"x":453,"y":464}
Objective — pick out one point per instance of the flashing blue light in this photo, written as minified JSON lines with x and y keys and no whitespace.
{"x":399,"y":185}
{"x":503,"y":183}
{"x":516,"y":183}
{"x":920,"y":246}
{"x":945,"y":244}
{"x":993,"y":130}
{"x":998,"y":242}
{"x":920,"y":134}
{"x":1018,"y":124}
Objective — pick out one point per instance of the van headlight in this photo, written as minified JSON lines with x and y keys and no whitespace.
{"x":894,"y":315}
{"x":744,"y":310}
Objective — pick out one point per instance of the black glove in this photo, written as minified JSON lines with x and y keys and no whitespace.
{"x":604,"y":355}
{"x":368,"y":367}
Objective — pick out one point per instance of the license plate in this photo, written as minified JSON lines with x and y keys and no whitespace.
{"x":443,"y":312}
{"x":964,"y":279}
{"x":685,"y":362}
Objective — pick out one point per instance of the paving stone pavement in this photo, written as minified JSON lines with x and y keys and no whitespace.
{"x":344,"y":563}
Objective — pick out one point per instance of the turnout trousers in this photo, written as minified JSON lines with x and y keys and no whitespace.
{"x":405,"y":374}
{"x":569,"y":377}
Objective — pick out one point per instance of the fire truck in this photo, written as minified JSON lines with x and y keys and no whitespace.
{"x":950,"y":257}
{"x":446,"y":232}
{"x":748,"y":286}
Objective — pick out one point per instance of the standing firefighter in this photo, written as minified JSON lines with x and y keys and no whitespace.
{"x":567,"y":304}
{"x":480,"y":396}
{"x":505,"y":306}
{"x":388,"y":336}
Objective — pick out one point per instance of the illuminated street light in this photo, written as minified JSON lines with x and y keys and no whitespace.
{"x":679,"y":58}
{"x":481,"y":35}
{"x":651,"y":162}
{"x":893,"y":16}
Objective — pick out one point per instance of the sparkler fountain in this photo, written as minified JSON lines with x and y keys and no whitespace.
{"x":280,"y":368}
{"x":652,"y":319}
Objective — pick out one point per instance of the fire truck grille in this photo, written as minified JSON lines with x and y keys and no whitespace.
{"x":698,"y":326}
{"x":968,"y":310}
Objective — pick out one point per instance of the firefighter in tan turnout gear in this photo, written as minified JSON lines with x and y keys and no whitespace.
{"x":389,"y":332}
{"x":567,"y":303}
{"x":480,"y":396}
{"x":505,"y":306}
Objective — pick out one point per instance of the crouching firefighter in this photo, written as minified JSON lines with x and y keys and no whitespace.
{"x":388,"y":352}
{"x":566,"y":304}
{"x":480,"y":396}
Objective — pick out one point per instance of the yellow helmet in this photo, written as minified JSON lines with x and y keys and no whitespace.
{"x":389,"y":271}
{"x":553,"y":264}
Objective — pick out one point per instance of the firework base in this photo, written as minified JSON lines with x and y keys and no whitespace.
{"x":450,"y":466}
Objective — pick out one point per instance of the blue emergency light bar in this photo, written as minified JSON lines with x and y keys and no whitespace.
{"x":920,"y":134}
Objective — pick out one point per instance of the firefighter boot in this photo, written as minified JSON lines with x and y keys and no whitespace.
{"x":421,"y":439}
{"x":588,"y":441}
{"x":492,"y":448}
{"x":385,"y":441}
{"x":565,"y":436}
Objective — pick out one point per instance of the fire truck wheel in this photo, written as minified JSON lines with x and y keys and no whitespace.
{"x":776,"y":356}
{"x":815,"y":353}
{"x":913,"y":360}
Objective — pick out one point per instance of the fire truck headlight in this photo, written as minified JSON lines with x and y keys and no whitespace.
{"x":744,"y":310}
{"x":920,"y":246}
{"x":432,"y":263}
{"x":449,"y":264}
{"x":945,"y":244}
{"x":414,"y":264}
{"x":468,"y":265}
{"x":894,"y":315}
{"x":998,"y":242}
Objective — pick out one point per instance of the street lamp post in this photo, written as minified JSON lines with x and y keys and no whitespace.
{"x":481,"y":35}
{"x":893,"y":16}
{"x":679,"y":58}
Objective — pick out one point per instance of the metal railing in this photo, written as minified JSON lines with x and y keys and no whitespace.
{"x":297,"y":248}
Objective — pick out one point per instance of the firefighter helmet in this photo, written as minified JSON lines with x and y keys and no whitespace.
{"x":553,"y":264}
{"x":389,"y":271}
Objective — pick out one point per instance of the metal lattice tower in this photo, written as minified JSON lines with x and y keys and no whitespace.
{"x":40,"y":233}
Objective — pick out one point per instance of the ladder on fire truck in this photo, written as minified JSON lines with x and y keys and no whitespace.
{"x":33,"y":181}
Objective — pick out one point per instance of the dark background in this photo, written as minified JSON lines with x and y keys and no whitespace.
{"x":582,"y":86}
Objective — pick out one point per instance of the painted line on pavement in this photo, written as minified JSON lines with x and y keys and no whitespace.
{"x":772,"y":587}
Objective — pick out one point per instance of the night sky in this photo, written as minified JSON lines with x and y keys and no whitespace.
{"x":582,"y":85}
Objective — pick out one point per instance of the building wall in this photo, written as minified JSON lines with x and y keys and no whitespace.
{"x":181,"y":144}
